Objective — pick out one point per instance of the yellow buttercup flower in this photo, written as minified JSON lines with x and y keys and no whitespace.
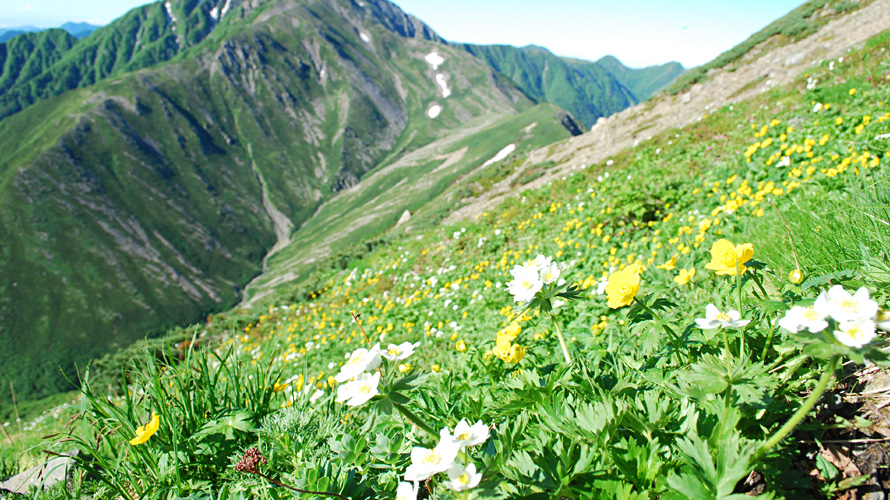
{"x":461,"y":346}
{"x":669,"y":265}
{"x":685,"y":276}
{"x":623,"y":287}
{"x":146,"y":431}
{"x":514,"y":354}
{"x":511,"y":332}
{"x":727,"y":259}
{"x":795,"y":276}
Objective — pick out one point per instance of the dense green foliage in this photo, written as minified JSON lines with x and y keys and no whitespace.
{"x":587,"y":89}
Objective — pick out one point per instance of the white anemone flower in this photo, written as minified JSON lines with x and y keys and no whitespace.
{"x":462,"y":478}
{"x":526,"y":283}
{"x":317,"y":394}
{"x":810,"y":318}
{"x":399,"y":352}
{"x":846,"y":308}
{"x":856,"y":333}
{"x":714,"y":318}
{"x":407,"y":491}
{"x":426,"y":463}
{"x":360,"y":390}
{"x":550,"y":273}
{"x":467,"y":435}
{"x":541,"y":262}
{"x":361,"y":360}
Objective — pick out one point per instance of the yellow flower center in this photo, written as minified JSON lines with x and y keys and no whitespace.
{"x":464,"y":479}
{"x":365,"y":389}
{"x":527,"y":284}
{"x":464,"y":436}
{"x":854,"y":332}
{"x":356,"y":359}
{"x":432,"y":458}
{"x":722,"y":316}
{"x":810,"y":314}
{"x":848,"y":305}
{"x":393,"y":351}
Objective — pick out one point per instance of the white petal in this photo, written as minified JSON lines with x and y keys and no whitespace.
{"x":711,"y":311}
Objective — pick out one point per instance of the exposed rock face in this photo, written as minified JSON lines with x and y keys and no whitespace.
{"x":41,"y":477}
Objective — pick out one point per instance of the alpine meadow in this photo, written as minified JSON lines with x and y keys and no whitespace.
{"x":311,"y":249}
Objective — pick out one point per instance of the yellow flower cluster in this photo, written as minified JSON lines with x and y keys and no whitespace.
{"x":504,"y":348}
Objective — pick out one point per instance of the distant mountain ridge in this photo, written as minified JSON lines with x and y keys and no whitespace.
{"x":589,"y":90}
{"x":77,"y":30}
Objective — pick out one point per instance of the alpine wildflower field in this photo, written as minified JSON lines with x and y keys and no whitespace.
{"x":694,"y":318}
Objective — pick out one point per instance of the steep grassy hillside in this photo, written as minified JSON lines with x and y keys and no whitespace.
{"x":408,"y":183}
{"x":150,"y":199}
{"x":800,"y":23}
{"x":704,"y":309}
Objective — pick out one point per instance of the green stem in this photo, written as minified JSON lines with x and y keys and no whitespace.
{"x":760,"y":285}
{"x":658,"y":318}
{"x":415,"y":420}
{"x":769,"y":340}
{"x":801,"y":412}
{"x":738,"y":285}
{"x":727,"y":354}
{"x":562,"y":340}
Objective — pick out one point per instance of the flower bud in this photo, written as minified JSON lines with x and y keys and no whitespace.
{"x":795,"y":276}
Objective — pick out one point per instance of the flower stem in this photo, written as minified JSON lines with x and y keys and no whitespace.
{"x":415,"y":420}
{"x":562,"y":340}
{"x":801,"y":412}
{"x":769,"y":340}
{"x":738,"y":285}
{"x":657,"y":317}
{"x":728,"y":353}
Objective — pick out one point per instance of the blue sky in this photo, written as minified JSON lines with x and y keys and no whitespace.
{"x":638,"y":32}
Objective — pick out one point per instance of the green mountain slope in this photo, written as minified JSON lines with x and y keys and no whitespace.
{"x":143,"y":37}
{"x":643,"y":82}
{"x":587,"y":89}
{"x":149,"y":199}
{"x":24,"y":59}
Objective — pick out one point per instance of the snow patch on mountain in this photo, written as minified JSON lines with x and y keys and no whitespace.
{"x":365,"y":38}
{"x":501,"y":155}
{"x":225,"y":8}
{"x":434,"y":60}
{"x":434,"y":111}
{"x":169,"y":8}
{"x":440,"y":79}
